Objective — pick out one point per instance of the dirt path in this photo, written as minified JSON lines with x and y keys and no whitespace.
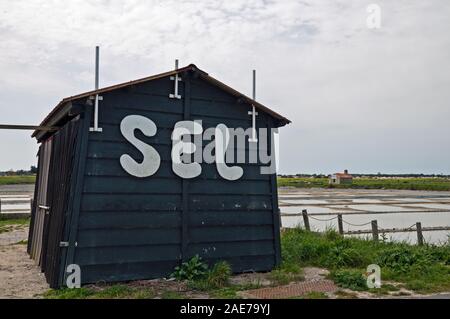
{"x":19,"y":276}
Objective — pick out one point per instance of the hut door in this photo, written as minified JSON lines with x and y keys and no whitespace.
{"x":58,"y":199}
{"x":39,"y":211}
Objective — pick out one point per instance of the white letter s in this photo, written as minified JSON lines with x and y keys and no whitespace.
{"x":152,"y":160}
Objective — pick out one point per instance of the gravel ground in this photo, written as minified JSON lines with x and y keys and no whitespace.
{"x":19,"y":275}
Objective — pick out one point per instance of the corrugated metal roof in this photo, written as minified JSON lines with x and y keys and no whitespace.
{"x":190,"y":67}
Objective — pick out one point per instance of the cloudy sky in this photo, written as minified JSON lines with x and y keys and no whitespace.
{"x":369,"y":100}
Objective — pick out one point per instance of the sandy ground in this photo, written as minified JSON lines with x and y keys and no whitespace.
{"x":19,"y":276}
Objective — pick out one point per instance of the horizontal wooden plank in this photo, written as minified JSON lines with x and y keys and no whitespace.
{"x":229,"y":234}
{"x":163,"y":86}
{"x":225,"y":110}
{"x":112,"y":133}
{"x":222,"y":186}
{"x":230,"y":218}
{"x":126,"y":254}
{"x":127,"y":219}
{"x":152,"y":185}
{"x":205,"y":90}
{"x":144,"y":97}
{"x":128,"y":237}
{"x":108,"y":149}
{"x":116,"y":115}
{"x":111,"y":167}
{"x":132,"y":185}
{"x":127,"y":271}
{"x":130,"y":202}
{"x":229,"y":202}
{"x":231,"y":249}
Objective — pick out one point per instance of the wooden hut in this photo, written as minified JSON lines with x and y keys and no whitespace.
{"x":109,"y":199}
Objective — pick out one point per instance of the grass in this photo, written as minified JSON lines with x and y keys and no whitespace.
{"x":107,"y":292}
{"x":7,"y":225}
{"x":315,"y":295}
{"x":13,"y":180}
{"x":424,"y":269}
{"x":430,"y":184}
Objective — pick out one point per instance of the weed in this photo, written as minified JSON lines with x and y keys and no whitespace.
{"x":193,"y":269}
{"x":218,"y":276}
{"x":351,"y":279}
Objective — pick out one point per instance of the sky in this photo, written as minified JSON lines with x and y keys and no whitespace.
{"x":360,"y":98}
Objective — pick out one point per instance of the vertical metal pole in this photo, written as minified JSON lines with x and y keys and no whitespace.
{"x":374,"y":230}
{"x":97,"y":66}
{"x":340,"y":224}
{"x":306,"y":220}
{"x":0,"y":205}
{"x":176,"y":77}
{"x":253,"y":112}
{"x":419,"y":234}
{"x":97,"y":76}
{"x":254,"y":84}
{"x":97,"y":97}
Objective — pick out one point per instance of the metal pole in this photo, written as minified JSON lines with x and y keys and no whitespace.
{"x":97,"y":85}
{"x":254,"y":84}
{"x":97,"y":66}
{"x":27,"y":127}
{"x":253,"y":112}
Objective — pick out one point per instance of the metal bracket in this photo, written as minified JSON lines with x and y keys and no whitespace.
{"x":253,"y":138}
{"x":44,"y":207}
{"x":96,"y":128}
{"x":63,"y":244}
{"x":177,"y":79}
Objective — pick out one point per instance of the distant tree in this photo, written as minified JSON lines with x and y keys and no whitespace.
{"x":33,"y":169}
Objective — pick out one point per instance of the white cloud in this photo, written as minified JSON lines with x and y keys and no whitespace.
{"x":353,"y":94}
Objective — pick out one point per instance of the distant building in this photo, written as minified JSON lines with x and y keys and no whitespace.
{"x":341,"y":178}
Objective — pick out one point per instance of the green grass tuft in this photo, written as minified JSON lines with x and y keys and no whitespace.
{"x":431,"y":184}
{"x":14,"y":180}
{"x":420,"y":268}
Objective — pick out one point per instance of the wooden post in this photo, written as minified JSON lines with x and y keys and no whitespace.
{"x":279,"y":218}
{"x":375,"y":230}
{"x":0,"y":205}
{"x":31,"y":205}
{"x":340,"y":224}
{"x":419,"y":234}
{"x":305,"y":219}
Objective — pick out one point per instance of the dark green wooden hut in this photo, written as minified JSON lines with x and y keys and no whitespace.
{"x":91,"y":211}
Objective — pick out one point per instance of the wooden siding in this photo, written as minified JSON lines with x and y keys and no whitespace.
{"x":134,"y":228}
